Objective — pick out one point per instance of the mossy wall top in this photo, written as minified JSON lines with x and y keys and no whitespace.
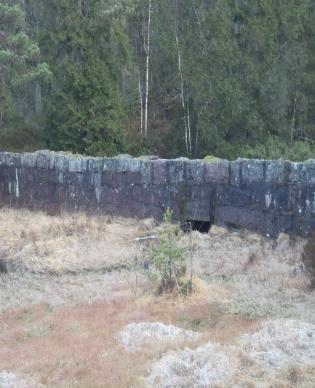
{"x":266,"y":196}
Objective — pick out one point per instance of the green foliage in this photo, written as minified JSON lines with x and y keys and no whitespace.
{"x":274,"y":148}
{"x":211,"y":159}
{"x":167,"y":257}
{"x":247,"y":76}
{"x":19,"y":53}
{"x":20,"y":69}
{"x":84,"y":109}
{"x":240,"y":74}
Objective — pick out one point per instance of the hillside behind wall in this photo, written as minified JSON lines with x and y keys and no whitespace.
{"x":265,"y":196}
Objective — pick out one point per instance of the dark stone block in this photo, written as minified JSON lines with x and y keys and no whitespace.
{"x":297,"y":199}
{"x":96,"y":179}
{"x":235,"y":173}
{"x":43,"y":160}
{"x":195,"y":171}
{"x":199,"y":192}
{"x":95,"y":165}
{"x":275,"y":171}
{"x":177,"y":171}
{"x":77,"y":164}
{"x":132,"y":178}
{"x":160,"y":171}
{"x":235,"y":196}
{"x":71,"y":179}
{"x":281,"y":198}
{"x":239,"y":217}
{"x":298,"y":174}
{"x":29,"y":160}
{"x":198,"y":210}
{"x":304,"y":226}
{"x":145,"y":171}
{"x":252,"y":171}
{"x":267,"y":196}
{"x":161,"y":196}
{"x":217,"y":172}
{"x":13,"y":160}
{"x":61,"y":163}
{"x":132,"y":165}
{"x":310,"y":172}
{"x":107,"y":178}
{"x":286,"y":222}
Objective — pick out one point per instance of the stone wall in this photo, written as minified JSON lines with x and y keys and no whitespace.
{"x":265,"y":196}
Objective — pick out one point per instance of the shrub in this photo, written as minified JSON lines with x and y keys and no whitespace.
{"x":274,"y":148}
{"x":309,"y":258}
{"x":211,"y":159}
{"x":167,"y":257}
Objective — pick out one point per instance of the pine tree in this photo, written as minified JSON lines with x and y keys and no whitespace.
{"x":85,"y":110}
{"x":20,"y":66}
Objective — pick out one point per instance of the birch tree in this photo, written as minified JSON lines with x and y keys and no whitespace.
{"x":147,"y":67}
{"x":187,"y":127}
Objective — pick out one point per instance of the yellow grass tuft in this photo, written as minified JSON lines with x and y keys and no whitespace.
{"x":209,"y":293}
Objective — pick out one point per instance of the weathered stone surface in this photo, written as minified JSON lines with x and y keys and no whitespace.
{"x":195,"y":171}
{"x":266,"y":196}
{"x":76,"y":164}
{"x":29,"y":160}
{"x":132,"y":165}
{"x":236,"y":196}
{"x":217,"y":172}
{"x":275,"y":170}
{"x":298,"y":173}
{"x":240,"y":217}
{"x":198,"y":210}
{"x":252,"y":171}
{"x":145,"y":171}
{"x":43,"y":160}
{"x":235,"y":173}
{"x":310,"y":172}
{"x":61,"y":162}
{"x":96,"y":179}
{"x":177,"y":171}
{"x":160,"y":171}
{"x":95,"y":164}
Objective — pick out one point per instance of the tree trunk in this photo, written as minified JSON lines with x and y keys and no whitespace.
{"x":141,"y":103}
{"x":293,"y":120}
{"x":147,"y":70}
{"x":182,"y":91}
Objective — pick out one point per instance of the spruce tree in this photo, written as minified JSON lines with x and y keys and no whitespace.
{"x":87,"y":52}
{"x":20,"y":68}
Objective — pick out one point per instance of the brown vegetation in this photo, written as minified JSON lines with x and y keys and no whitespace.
{"x":309,"y":258}
{"x":72,"y":289}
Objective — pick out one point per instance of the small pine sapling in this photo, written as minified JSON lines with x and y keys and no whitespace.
{"x":167,"y":256}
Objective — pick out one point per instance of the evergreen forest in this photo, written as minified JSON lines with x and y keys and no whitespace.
{"x":232,"y":78}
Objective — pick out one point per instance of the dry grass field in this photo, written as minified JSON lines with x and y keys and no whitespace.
{"x":76,"y":311}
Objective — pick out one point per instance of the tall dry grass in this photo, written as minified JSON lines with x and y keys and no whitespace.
{"x":71,"y":289}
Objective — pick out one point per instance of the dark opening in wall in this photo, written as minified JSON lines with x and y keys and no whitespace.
{"x":200,"y":226}
{"x":3,"y":266}
{"x":233,"y":226}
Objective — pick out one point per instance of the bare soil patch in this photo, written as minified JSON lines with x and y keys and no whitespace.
{"x":77,"y":346}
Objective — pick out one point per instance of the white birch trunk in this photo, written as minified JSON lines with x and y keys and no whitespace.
{"x":141,"y":103}
{"x":147,"y":70}
{"x":293,"y":120}
{"x":189,"y":129}
{"x":182,"y":93}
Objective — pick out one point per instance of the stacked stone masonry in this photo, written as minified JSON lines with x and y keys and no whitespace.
{"x":269,"y":196}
